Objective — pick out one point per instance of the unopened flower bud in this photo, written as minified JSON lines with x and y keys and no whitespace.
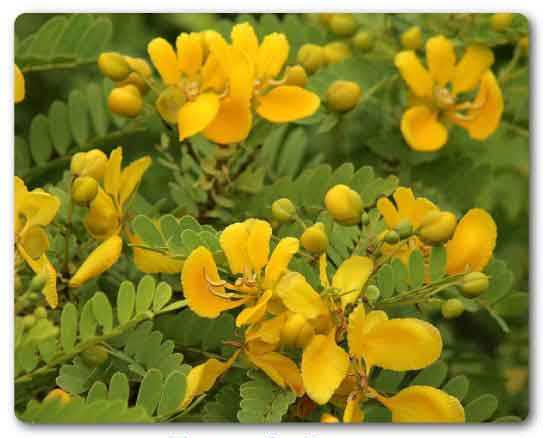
{"x":84,"y":190}
{"x":411,"y":39}
{"x":474,"y":284}
{"x":437,"y":227}
{"x":125,"y":101}
{"x":336,"y":52}
{"x":58,"y":394}
{"x":38,"y":282}
{"x":95,"y":355}
{"x":314,"y":239}
{"x":40,"y":312}
{"x":169,"y":103}
{"x":329,"y":418}
{"x":296,"y":76}
{"x":452,"y":308}
{"x":344,"y":204}
{"x":364,"y":41}
{"x":372,"y":293}
{"x":29,"y":321}
{"x":404,"y":229}
{"x":365,"y":219}
{"x":113,"y":65}
{"x":392,"y":237}
{"x":501,"y":22}
{"x":311,"y":57}
{"x":91,"y":163}
{"x":137,"y":81}
{"x":284,"y":210}
{"x":343,"y":24}
{"x":140,"y":66}
{"x":343,"y":96}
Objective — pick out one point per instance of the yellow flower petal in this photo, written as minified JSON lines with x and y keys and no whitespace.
{"x":112,"y":175}
{"x":253,"y":314}
{"x":414,"y":74}
{"x":441,"y":59}
{"x":279,"y":260}
{"x":421,"y":129}
{"x":213,"y":76}
{"x":355,"y":331}
{"x":244,"y":39}
{"x":351,"y":276}
{"x":232,"y":124}
{"x":323,"y":271}
{"x":473,"y":242}
{"x":35,"y":241}
{"x":268,"y":331}
{"x":324,"y":366}
{"x":484,"y":118}
{"x":287,"y":103}
{"x":421,"y":208}
{"x":102,"y":220}
{"x":195,"y":116}
{"x":103,"y":257}
{"x":199,"y":270}
{"x":272,"y":55}
{"x":353,"y":413}
{"x":233,"y":241}
{"x":389,"y":212}
{"x":405,"y":201}
{"x":190,"y":53}
{"x":153,"y":262}
{"x":282,"y":370}
{"x":19,"y":85}
{"x":37,"y":207}
{"x":164,"y":59}
{"x":131,"y":177}
{"x":468,"y":72}
{"x":43,"y":266}
{"x":299,"y":297}
{"x":258,"y":243}
{"x":424,"y":404}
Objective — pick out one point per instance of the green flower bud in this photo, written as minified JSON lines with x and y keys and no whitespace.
{"x":125,"y":101}
{"x":452,"y":308}
{"x":392,"y":237}
{"x":343,"y":24}
{"x":29,"y":321}
{"x":284,"y":210}
{"x":84,"y":190}
{"x":169,"y":102}
{"x":437,"y":227}
{"x":40,"y":312}
{"x":95,"y":355}
{"x":297,"y":76}
{"x":411,"y":39}
{"x":501,"y":22}
{"x":364,"y":41}
{"x":372,"y":293}
{"x":474,"y":284}
{"x":336,"y":52}
{"x":343,"y":96}
{"x":311,"y":57}
{"x":113,"y":65}
{"x":314,"y":239}
{"x":365,"y":219}
{"x":344,"y":204}
{"x":38,"y":282}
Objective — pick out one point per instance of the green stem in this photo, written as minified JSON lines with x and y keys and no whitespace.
{"x":56,"y":66}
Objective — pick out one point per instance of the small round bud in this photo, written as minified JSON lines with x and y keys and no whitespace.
{"x":58,"y":394}
{"x":452,"y":308}
{"x":344,"y":204}
{"x":437,"y":227}
{"x":329,"y":418}
{"x":169,"y":102}
{"x":33,"y":296}
{"x":474,"y":284}
{"x":314,"y":239}
{"x":91,"y":163}
{"x":501,"y":22}
{"x":524,"y":45}
{"x":40,"y":312}
{"x":364,"y":41}
{"x":84,"y":190}
{"x":284,"y":210}
{"x":38,"y":282}
{"x":412,"y":38}
{"x":343,"y":24}
{"x":392,"y":237}
{"x":365,"y":219}
{"x":125,"y":101}
{"x":343,"y":96}
{"x":95,"y":356}
{"x":296,"y":76}
{"x":113,"y":65}
{"x":29,"y":321}
{"x":404,"y":229}
{"x":78,"y":163}
{"x":372,"y":293}
{"x":311,"y":57}
{"x":336,"y":52}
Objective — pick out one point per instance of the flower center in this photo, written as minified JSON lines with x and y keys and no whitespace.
{"x":443,"y":97}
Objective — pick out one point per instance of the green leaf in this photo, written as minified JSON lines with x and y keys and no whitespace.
{"x":126,"y":299}
{"x":41,"y":147}
{"x":385,"y":281}
{"x":292,"y":152}
{"x":59,"y":126}
{"x":147,"y":231}
{"x":102,"y":311}
{"x":23,"y":160}
{"x":400,"y":275}
{"x":79,"y":121}
{"x":416,"y":269}
{"x":163,"y":295}
{"x":98,"y":391}
{"x":95,"y":39}
{"x":481,"y":409}
{"x":501,"y":280}
{"x":68,"y":327}
{"x":97,"y":109}
{"x":173,"y":393}
{"x":457,"y":387}
{"x":118,"y":387}
{"x":388,"y":381}
{"x":434,"y":375}
{"x":46,"y":37}
{"x":515,"y":305}
{"x":438,"y":261}
{"x":145,"y":294}
{"x":76,"y":26}
{"x":150,"y":391}
{"x":87,"y":322}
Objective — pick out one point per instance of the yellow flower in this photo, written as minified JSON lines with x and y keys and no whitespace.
{"x":246,"y":246}
{"x":33,"y":211}
{"x":19,"y":85}
{"x":438,"y":92}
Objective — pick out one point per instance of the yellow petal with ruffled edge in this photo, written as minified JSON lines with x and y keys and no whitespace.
{"x":153,"y":262}
{"x":286,"y":104}
{"x":400,"y":344}
{"x":244,"y":38}
{"x":279,"y":260}
{"x":468,"y":72}
{"x":195,"y":116}
{"x":484,"y":118}
{"x":131,"y":177}
{"x":272,"y":55}
{"x":164,"y":59}
{"x":424,"y":404}
{"x":414,"y":74}
{"x":353,"y":413}
{"x":350,"y":278}
{"x":422,"y":130}
{"x":42,"y":266}
{"x":233,"y":241}
{"x":280,"y":369}
{"x":199,"y":270}
{"x":324,"y":366}
{"x":19,"y":85}
{"x":190,"y":53}
{"x":473,"y":242}
{"x":232,"y":124}
{"x":441,"y":59}
{"x":102,"y":220}
{"x":258,"y":243}
{"x":389,"y":212}
{"x":299,"y":297}
{"x":112,"y":174}
{"x":38,"y":208}
{"x":253,"y":314}
{"x":103,"y":257}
